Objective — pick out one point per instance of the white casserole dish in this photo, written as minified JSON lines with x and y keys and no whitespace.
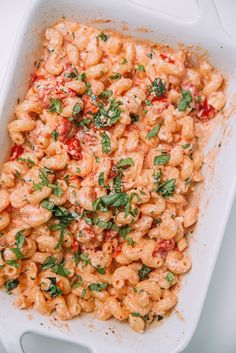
{"x":173,"y":334}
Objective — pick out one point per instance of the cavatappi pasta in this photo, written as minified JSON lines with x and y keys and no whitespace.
{"x":94,"y":199}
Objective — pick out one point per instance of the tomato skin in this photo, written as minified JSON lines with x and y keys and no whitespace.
{"x":153,"y":99}
{"x":205,"y":111}
{"x":117,"y":250}
{"x":63,"y":128}
{"x":163,"y":246}
{"x":89,"y":107}
{"x":167,"y":58}
{"x":16,"y":151}
{"x":74,"y":148}
{"x":76,"y":246}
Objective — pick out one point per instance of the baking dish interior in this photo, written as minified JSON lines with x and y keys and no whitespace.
{"x":173,"y":334}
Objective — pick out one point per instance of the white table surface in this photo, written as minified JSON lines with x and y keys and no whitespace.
{"x":216,"y":332}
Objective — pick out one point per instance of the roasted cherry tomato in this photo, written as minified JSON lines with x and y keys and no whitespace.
{"x":89,"y":106}
{"x":74,"y":148}
{"x":63,"y":128}
{"x":16,"y":151}
{"x":205,"y":111}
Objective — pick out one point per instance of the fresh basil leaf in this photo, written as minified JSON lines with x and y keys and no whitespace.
{"x":154,"y":132}
{"x":115,"y":76}
{"x":144,"y":272}
{"x":54,"y":134}
{"x":55,"y":106}
{"x":167,"y":188}
{"x":162,"y":159}
{"x":98,"y":287}
{"x":106,"y":143}
{"x":104,"y":37}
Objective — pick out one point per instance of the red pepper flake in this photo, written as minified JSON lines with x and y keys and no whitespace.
{"x":205,"y":111}
{"x":16,"y":151}
{"x":74,"y":148}
{"x":167,"y":58}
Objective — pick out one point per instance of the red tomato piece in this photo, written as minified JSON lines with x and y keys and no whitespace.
{"x":167,"y":58}
{"x":205,"y":111}
{"x":89,"y":106}
{"x":157,"y":99}
{"x":63,"y":128}
{"x":10,"y":209}
{"x":74,"y":148}
{"x":16,"y":151}
{"x":76,"y":245}
{"x":163,"y":246}
{"x":117,"y":250}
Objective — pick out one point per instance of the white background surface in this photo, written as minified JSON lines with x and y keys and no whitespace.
{"x":216,"y":332}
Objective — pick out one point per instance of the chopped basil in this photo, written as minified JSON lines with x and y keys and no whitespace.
{"x":124,"y":231}
{"x":98,"y":287}
{"x":149,"y":55}
{"x":158,"y":87}
{"x":10,"y":285}
{"x":54,"y":134}
{"x":187,"y":145}
{"x":162,"y":159}
{"x":154,"y":131}
{"x":76,"y":110}
{"x":53,"y":290}
{"x":101,"y":181}
{"x":106,"y":94}
{"x":77,"y":282}
{"x":136,"y":314}
{"x":55,"y":106}
{"x":20,"y":239}
{"x":60,"y":270}
{"x":85,"y":259}
{"x":97,"y":159}
{"x":141,"y":68}
{"x":167,"y":188}
{"x":17,"y":252}
{"x":106,"y":143}
{"x":148,"y":102}
{"x":102,"y":224}
{"x":134,"y":118}
{"x":56,"y":189}
{"x":107,"y":115}
{"x":125,"y":61}
{"x":144,"y":272}
{"x":13,"y":263}
{"x":103,"y":36}
{"x":27,"y":160}
{"x":84,"y":292}
{"x":114,"y":200}
{"x":48,"y":263}
{"x":70,"y":74}
{"x":115,"y":76}
{"x":49,"y":205}
{"x":88,"y":89}
{"x":126,"y":162}
{"x":170,"y":277}
{"x":157,"y":177}
{"x":185,"y":101}
{"x":101,"y":270}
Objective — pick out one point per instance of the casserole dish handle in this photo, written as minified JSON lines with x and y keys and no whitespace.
{"x":208,"y":14}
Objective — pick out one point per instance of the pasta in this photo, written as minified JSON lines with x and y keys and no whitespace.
{"x":94,"y":198}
